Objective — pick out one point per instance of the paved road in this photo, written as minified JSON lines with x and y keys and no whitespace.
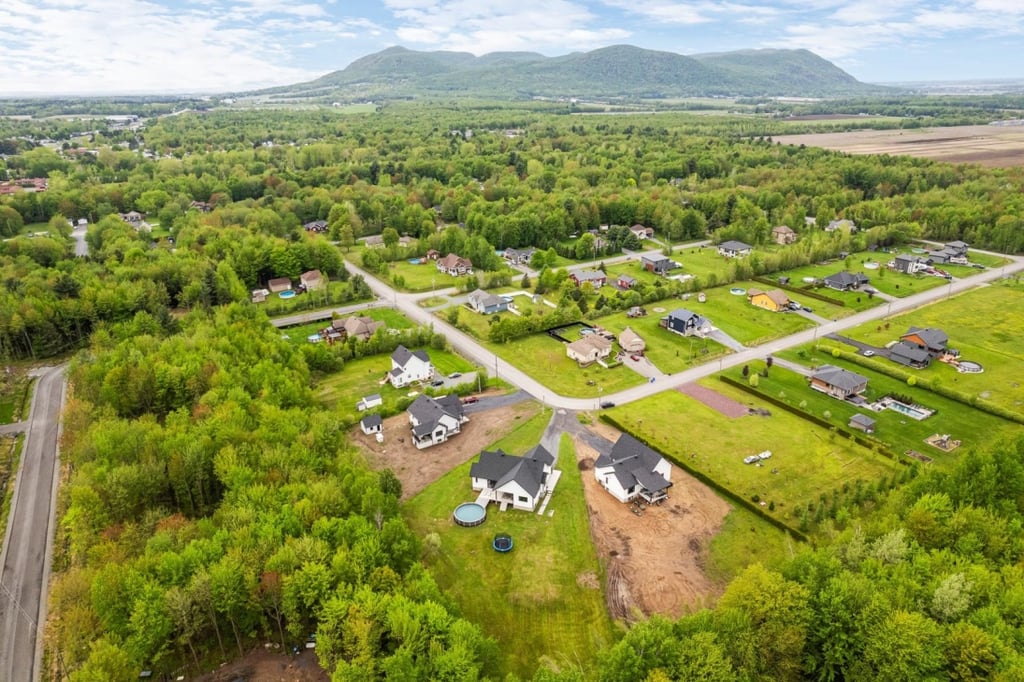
{"x":28,"y":541}
{"x":469,"y":348}
{"x":81,"y":246}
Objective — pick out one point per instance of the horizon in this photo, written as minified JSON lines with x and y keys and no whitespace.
{"x":163,"y":47}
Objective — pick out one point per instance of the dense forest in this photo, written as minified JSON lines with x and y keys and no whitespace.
{"x":211,"y":502}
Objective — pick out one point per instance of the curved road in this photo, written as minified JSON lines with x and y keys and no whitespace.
{"x":468,"y":347}
{"x":25,"y":562}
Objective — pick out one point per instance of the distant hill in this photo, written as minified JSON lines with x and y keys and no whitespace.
{"x":619,"y":71}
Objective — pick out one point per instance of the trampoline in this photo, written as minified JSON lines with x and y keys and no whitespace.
{"x":502,"y":543}
{"x":469,"y":514}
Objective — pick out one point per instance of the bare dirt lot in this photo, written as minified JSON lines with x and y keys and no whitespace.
{"x":417,"y":469}
{"x":269,"y":666}
{"x":654,"y":559}
{"x":996,"y":146}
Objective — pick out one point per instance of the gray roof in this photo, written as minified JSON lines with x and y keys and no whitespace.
{"x":372,"y":397}
{"x":840,"y":378}
{"x":371,"y":421}
{"x":483,"y":299}
{"x":402,"y":355}
{"x":733,"y":245}
{"x":862,"y":420}
{"x":428,"y":411}
{"x":633,"y":463}
{"x":909,"y":352}
{"x":654,"y":259}
{"x":934,"y":338}
{"x":684,"y":315}
{"x":502,"y":468}
{"x":626,"y":278}
{"x":846,"y":278}
{"x":589,"y":275}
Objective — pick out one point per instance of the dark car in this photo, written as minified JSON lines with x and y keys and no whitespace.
{"x":606,"y":404}
{"x":455,"y":375}
{"x":807,"y":310}
{"x":439,"y":382}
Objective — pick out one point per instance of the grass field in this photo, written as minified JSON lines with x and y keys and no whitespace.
{"x":808,"y":459}
{"x":422,"y":277}
{"x":362,"y":377}
{"x":700,"y":261}
{"x":668,"y":352}
{"x":884,"y":280}
{"x":744,"y":539}
{"x":538,"y":600}
{"x":984,"y":325}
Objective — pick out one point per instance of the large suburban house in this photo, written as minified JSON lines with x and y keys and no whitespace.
{"x":588,"y":350}
{"x":846,"y":281}
{"x":596,"y":278}
{"x":312,"y":279}
{"x":783,"y":234}
{"x":642,"y":232}
{"x":774,"y":300}
{"x":659,"y":265}
{"x":953,"y":252}
{"x":453,"y":264}
{"x":315,"y":226}
{"x":933,"y":341}
{"x":633,"y":470}
{"x":361,"y":328}
{"x":686,"y":322}
{"x":631,"y":342}
{"x":908,"y":264}
{"x":838,"y":383}
{"x":435,"y":420}
{"x":509,"y":480}
{"x":910,"y":355}
{"x":734,"y":249}
{"x":487,"y":303}
{"x":519,"y":256}
{"x":409,"y":366}
{"x":844,"y":225}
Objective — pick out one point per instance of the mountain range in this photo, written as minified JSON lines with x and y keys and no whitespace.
{"x":619,"y":71}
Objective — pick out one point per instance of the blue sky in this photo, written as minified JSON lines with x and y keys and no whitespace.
{"x":133,"y":46}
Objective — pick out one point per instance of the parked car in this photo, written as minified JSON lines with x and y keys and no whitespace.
{"x":634,"y":357}
{"x":455,"y":375}
{"x":793,"y":305}
{"x":868,"y":353}
{"x":469,"y":400}
{"x":439,"y":382}
{"x":806,"y":309}
{"x":607,"y":404}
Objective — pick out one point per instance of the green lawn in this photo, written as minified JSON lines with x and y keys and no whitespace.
{"x":746,"y":538}
{"x":336,"y":293}
{"x":984,"y":325}
{"x":974,"y":428}
{"x":669,"y":352}
{"x":744,"y":322}
{"x":342,"y":390}
{"x":809,"y":460}
{"x":701,"y":262}
{"x":394,"y":320}
{"x":422,"y":277}
{"x":7,"y":410}
{"x":534,"y":600}
{"x":884,"y":280}
{"x":633,"y":269}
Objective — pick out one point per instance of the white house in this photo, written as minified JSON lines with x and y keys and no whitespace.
{"x":734,"y":249}
{"x":435,"y":420}
{"x":409,"y":366}
{"x":632,"y":469}
{"x":519,"y":482}
{"x":589,"y":349}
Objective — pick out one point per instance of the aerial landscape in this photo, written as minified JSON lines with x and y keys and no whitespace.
{"x":584,"y":341}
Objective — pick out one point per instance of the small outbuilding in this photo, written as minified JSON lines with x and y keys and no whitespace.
{"x":862,"y":422}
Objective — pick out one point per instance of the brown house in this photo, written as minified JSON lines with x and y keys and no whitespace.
{"x":279,"y":284}
{"x":783,"y":234}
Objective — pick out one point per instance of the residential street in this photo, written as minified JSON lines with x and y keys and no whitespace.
{"x":473,"y":351}
{"x":25,"y":563}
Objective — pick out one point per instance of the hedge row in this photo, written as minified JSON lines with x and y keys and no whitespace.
{"x":710,"y":482}
{"x":803,"y":292}
{"x":870,"y":443}
{"x":892,"y":370}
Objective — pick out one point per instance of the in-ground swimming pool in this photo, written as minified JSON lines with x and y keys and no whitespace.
{"x":287,"y":294}
{"x":912,"y":411}
{"x":469,"y":514}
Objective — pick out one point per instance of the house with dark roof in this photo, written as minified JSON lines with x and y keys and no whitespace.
{"x":315,"y":226}
{"x":454,"y":264}
{"x":659,"y":265}
{"x":371,"y":423}
{"x":633,"y":470}
{"x":846,"y":281}
{"x":686,"y":322}
{"x":774,"y":300}
{"x":862,"y":422}
{"x":783,"y":234}
{"x":838,"y":383}
{"x":908,"y":264}
{"x":734,"y":249}
{"x":910,"y":355}
{"x":626,"y":281}
{"x":509,"y":480}
{"x":486,"y":303}
{"x":596,"y":278}
{"x":409,"y":366}
{"x":934,"y":341}
{"x":357,"y":326}
{"x":958,"y":247}
{"x":435,"y":420}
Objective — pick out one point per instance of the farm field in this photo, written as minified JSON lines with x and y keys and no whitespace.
{"x":995,"y":146}
{"x":983,"y":324}
{"x":806,"y":461}
{"x":545,"y":595}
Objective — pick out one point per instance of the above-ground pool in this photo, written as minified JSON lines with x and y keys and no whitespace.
{"x":736,"y":291}
{"x":469,"y":514}
{"x":871,"y":265}
{"x":502,"y":543}
{"x":969,"y":367}
{"x":287,"y":294}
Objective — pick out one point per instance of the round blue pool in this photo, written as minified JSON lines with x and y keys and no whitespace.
{"x":737,"y":291}
{"x":287,"y":294}
{"x":469,"y":514}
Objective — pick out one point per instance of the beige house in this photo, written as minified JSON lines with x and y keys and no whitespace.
{"x":279,"y":284}
{"x":783,"y":234}
{"x":589,"y":349}
{"x":312,"y":279}
{"x":359,"y":327}
{"x":631,"y":342}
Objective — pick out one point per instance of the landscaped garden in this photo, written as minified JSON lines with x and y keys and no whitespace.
{"x":545,"y":595}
